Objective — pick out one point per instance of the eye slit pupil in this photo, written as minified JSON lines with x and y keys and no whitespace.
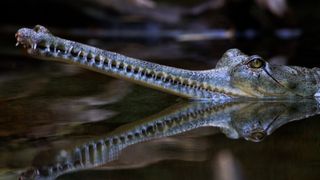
{"x":256,"y":63}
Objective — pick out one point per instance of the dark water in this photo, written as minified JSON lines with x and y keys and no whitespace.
{"x":47,"y":110}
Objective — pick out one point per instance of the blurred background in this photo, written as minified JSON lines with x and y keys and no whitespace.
{"x":201,"y":30}
{"x":45,"y":105}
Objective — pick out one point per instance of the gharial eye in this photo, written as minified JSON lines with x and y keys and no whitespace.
{"x":256,"y":62}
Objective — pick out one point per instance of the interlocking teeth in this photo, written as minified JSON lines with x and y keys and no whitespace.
{"x":113,"y":63}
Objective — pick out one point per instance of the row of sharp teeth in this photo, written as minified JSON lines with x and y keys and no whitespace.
{"x":120,"y":66}
{"x":124,"y":67}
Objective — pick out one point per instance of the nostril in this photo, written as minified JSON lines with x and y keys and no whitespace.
{"x":39,"y":28}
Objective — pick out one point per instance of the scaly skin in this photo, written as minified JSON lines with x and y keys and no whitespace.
{"x":236,"y":74}
{"x":249,"y":120}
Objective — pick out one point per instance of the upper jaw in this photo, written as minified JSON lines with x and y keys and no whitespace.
{"x":30,"y":39}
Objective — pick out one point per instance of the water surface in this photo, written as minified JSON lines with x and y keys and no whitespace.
{"x":49,"y":109}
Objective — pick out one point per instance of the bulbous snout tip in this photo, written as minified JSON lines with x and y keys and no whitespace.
{"x":20,"y":36}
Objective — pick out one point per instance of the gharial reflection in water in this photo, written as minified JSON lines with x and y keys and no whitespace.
{"x":251,"y":120}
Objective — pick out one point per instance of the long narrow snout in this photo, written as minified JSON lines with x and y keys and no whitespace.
{"x":236,"y":76}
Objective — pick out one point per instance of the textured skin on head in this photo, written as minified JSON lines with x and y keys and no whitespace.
{"x":234,"y":76}
{"x":231,"y":58}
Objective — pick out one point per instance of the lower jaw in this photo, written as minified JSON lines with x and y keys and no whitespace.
{"x":55,"y":54}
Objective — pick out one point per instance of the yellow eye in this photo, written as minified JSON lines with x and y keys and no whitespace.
{"x":256,"y":63}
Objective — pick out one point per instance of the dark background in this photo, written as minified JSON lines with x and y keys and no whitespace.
{"x":45,"y":104}
{"x":255,"y":25}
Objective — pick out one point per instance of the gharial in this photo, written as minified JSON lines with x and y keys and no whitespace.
{"x":236,"y":75}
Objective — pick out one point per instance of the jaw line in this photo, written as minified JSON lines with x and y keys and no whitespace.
{"x":273,"y":78}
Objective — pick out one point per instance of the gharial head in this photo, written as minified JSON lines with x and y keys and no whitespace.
{"x":30,"y":37}
{"x":39,"y":41}
{"x":255,"y":77}
{"x":243,"y":75}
